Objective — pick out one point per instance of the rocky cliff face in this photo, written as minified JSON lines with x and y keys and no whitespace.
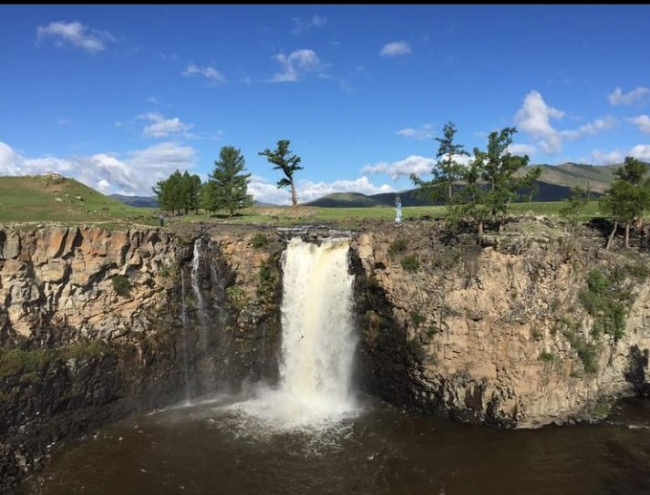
{"x":537,"y":327}
{"x":95,"y":324}
{"x":84,"y":335}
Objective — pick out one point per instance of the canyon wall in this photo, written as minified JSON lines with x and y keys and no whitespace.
{"x":537,"y":325}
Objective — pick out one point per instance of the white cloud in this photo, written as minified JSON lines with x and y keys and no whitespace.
{"x":208,"y":72}
{"x":534,"y":118}
{"x":134,"y":174}
{"x":395,"y":49}
{"x":641,"y":151}
{"x":425,"y":132}
{"x":413,"y":164}
{"x":76,"y":34}
{"x":521,"y":149}
{"x":617,"y":97}
{"x":297,"y":63}
{"x":301,"y":25}
{"x":153,"y":100}
{"x":162,"y":127}
{"x":643,"y":122}
{"x":268,"y":192}
{"x":590,"y":129}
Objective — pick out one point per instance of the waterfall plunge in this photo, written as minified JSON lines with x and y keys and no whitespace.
{"x":318,"y":341}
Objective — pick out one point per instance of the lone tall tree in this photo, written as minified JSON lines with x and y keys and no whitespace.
{"x":447,"y":170}
{"x":228,"y":188}
{"x":282,"y":159}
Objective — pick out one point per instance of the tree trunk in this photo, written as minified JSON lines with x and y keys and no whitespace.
{"x":449,"y":190}
{"x":627,"y":235}
{"x":480,"y":232}
{"x":294,"y":196}
{"x":611,"y":236}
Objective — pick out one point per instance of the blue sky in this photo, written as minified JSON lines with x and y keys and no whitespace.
{"x":121,"y":96}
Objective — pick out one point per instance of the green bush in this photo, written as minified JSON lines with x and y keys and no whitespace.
{"x":397,"y":246}
{"x":121,"y":285}
{"x":259,"y":241}
{"x":411,"y":263}
{"x":417,"y":319}
{"x":547,"y":357}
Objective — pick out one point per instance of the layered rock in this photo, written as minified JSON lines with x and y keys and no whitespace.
{"x":501,"y":334}
{"x":88,"y":328}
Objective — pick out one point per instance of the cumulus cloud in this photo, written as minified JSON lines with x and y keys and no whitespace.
{"x":521,"y":149}
{"x":75,"y":34}
{"x":135,"y":173}
{"x":208,"y":72}
{"x":413,"y":164}
{"x":160,"y":127}
{"x":643,"y":122}
{"x":268,"y":192}
{"x":424,"y":132}
{"x":640,"y":151}
{"x":590,"y":128}
{"x":301,"y":25}
{"x":295,"y":64}
{"x":395,"y":49}
{"x":534,"y":118}
{"x":617,"y":97}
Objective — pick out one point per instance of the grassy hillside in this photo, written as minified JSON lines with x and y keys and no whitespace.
{"x":52,"y":198}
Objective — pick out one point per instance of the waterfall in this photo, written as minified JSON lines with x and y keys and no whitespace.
{"x":318,"y":341}
{"x":200,"y":300}
{"x":317,"y":338}
{"x":186,"y":372}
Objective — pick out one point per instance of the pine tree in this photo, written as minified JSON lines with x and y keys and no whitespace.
{"x":282,"y":159}
{"x":628,"y":198}
{"x":447,"y":170}
{"x":228,"y":187}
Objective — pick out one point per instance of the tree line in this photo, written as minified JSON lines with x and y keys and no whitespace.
{"x":478,"y":191}
{"x":227,"y":186}
{"x":488,"y":184}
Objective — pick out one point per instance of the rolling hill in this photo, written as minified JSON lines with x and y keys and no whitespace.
{"x":554,"y":184}
{"x":54,"y":198}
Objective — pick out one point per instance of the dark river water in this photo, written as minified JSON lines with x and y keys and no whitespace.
{"x":214,"y":447}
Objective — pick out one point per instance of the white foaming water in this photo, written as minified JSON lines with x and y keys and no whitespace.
{"x":196,"y":266}
{"x":318,"y":343}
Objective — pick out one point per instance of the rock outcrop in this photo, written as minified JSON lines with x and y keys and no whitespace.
{"x":537,"y":327}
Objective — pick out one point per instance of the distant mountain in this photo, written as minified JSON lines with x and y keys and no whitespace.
{"x":554,"y":184}
{"x":138,"y":201}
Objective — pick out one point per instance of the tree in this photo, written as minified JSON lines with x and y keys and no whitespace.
{"x":628,"y":198}
{"x":168,"y":192}
{"x":179,"y":192}
{"x":282,"y":159}
{"x":575,"y":204}
{"x":447,"y":170}
{"x":228,"y":188}
{"x":492,"y":181}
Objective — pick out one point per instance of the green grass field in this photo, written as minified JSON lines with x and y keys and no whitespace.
{"x":354,"y":217}
{"x":37,"y":199}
